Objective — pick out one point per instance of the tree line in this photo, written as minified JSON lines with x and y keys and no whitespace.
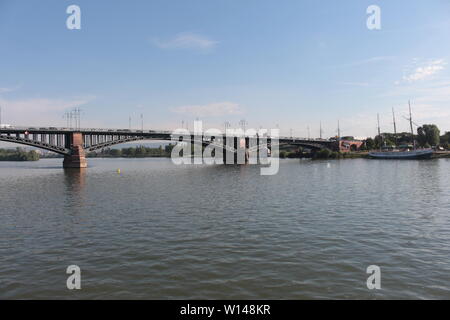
{"x":427,"y":136}
{"x":133,"y":152}
{"x":18,"y":154}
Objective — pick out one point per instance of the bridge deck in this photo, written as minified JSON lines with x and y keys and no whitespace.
{"x":152,"y":134}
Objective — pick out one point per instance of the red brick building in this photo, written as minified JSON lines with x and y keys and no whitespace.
{"x":349,"y":145}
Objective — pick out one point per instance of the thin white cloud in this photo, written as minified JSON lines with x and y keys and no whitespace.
{"x":430,"y":101}
{"x":43,"y":104}
{"x":9,"y":89}
{"x":186,"y":40}
{"x":5,"y":90}
{"x":429,"y":113}
{"x":425,"y":71}
{"x":375,"y":59}
{"x":432,"y":104}
{"x":367,"y":61}
{"x":210,"y":110}
{"x":38,"y":111}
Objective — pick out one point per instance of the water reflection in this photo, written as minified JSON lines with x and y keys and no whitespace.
{"x":75,"y":179}
{"x":75,"y":183}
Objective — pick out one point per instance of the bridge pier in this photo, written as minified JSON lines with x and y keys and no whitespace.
{"x":77,"y":158}
{"x":240,"y":155}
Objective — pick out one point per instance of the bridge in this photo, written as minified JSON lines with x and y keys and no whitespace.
{"x":73,"y":143}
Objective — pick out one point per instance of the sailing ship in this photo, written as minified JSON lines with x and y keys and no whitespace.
{"x":405,"y":152}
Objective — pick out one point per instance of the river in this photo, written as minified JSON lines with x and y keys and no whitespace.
{"x":160,"y":231}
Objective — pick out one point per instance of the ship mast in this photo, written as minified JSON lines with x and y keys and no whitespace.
{"x":411,"y":125}
{"x":339,"y":131}
{"x":320,"y":132}
{"x":395,"y":126}
{"x":379,"y":132}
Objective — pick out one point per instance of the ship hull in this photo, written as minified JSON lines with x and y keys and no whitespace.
{"x":402,"y":155}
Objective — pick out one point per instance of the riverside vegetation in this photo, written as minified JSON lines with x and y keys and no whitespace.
{"x":18,"y":154}
{"x":133,"y":152}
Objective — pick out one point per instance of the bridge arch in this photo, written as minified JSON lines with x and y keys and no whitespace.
{"x":113,"y":142}
{"x":34,"y":143}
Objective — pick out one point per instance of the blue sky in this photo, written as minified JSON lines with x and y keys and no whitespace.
{"x":291,"y":63}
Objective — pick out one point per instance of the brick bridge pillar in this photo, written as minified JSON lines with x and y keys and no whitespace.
{"x":76,"y":159}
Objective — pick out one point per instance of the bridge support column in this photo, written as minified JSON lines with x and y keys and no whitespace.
{"x":77,"y":158}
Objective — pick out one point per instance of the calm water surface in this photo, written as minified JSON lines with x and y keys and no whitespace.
{"x":159,"y":231}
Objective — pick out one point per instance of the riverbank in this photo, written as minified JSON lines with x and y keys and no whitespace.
{"x":323,"y":154}
{"x":328,"y":154}
{"x":441,"y":154}
{"x":365,"y":155}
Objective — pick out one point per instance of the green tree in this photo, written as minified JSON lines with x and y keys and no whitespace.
{"x":445,"y":138}
{"x":323,"y":154}
{"x":404,"y":138}
{"x":388,"y":142}
{"x":116,"y":152}
{"x":370,"y":144}
{"x":335,"y":155}
{"x":33,"y":156}
{"x":428,"y":134}
{"x":128,"y":152}
{"x":18,"y":155}
{"x":378,"y":141}
{"x":168,"y":149}
{"x":139,"y":151}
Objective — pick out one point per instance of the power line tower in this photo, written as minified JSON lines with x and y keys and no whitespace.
{"x":66,"y":117}
{"x":71,"y":116}
{"x":243,"y":123}
{"x":77,"y":112}
{"x":379,"y":130}
{"x":320,"y":130}
{"x":77,"y":117}
{"x":395,"y":126}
